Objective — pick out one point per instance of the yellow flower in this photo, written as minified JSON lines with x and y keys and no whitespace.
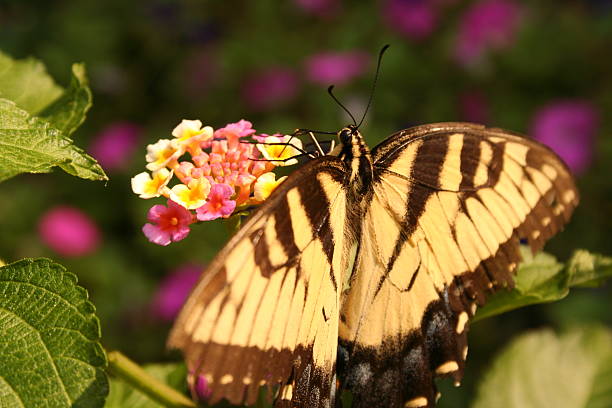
{"x":161,"y":153}
{"x":281,"y":151}
{"x":148,"y":187}
{"x":190,"y":128}
{"x":265,"y":185}
{"x":193,"y":195}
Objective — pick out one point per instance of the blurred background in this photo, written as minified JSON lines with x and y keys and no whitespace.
{"x":538,"y":67}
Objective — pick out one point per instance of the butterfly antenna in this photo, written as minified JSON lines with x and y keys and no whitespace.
{"x":302,"y":130}
{"x":331,"y":93}
{"x":380,"y":55}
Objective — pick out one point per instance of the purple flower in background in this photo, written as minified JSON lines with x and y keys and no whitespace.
{"x":270,"y":88}
{"x":569,"y":128}
{"x":474,"y":107}
{"x":173,"y":291}
{"x":486,"y":25}
{"x":336,"y":67}
{"x":200,"y":32}
{"x":114,"y":146}
{"x":414,"y":19}
{"x":69,"y":231}
{"x":321,"y":8}
{"x":200,"y":71}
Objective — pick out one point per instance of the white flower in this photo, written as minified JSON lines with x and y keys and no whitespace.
{"x":148,"y":187}
{"x":160,"y":153}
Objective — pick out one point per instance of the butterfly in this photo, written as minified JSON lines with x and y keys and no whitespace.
{"x":361,"y":271}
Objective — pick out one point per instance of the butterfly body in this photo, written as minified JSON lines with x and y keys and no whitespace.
{"x":362,"y":269}
{"x":355,"y":154}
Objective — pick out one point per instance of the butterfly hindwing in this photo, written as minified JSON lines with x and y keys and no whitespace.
{"x":450,"y":205}
{"x":266,"y":310}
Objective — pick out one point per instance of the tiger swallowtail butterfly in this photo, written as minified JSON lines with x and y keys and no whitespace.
{"x":361,"y":271}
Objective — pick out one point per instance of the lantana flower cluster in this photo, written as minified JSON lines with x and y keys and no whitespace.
{"x":217,"y":173}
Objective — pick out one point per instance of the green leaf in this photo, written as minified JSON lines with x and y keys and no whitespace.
{"x":125,"y":395}
{"x":37,"y":144}
{"x":542,"y":279}
{"x":31,"y":144}
{"x":50,"y":353}
{"x":27,"y":83}
{"x":541,"y":369}
{"x":588,"y":270}
{"x":67,"y":113}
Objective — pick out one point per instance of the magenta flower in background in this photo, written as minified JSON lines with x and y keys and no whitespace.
{"x":69,"y":231}
{"x":569,"y":128}
{"x":218,"y":203}
{"x":474,"y":107}
{"x":114,"y":145}
{"x":336,"y":67}
{"x":170,"y":224}
{"x":486,"y":25}
{"x":173,"y":291}
{"x":321,"y":8}
{"x":415,"y":19}
{"x":270,"y":88}
{"x":200,"y":390}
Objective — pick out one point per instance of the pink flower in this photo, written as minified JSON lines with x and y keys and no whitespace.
{"x":569,"y":128}
{"x":474,"y":107}
{"x":321,"y":8}
{"x":336,"y":68}
{"x":270,"y":88}
{"x":486,"y":25}
{"x":225,"y":161}
{"x":242,"y":128}
{"x":218,"y":204}
{"x":114,"y":145}
{"x":234,"y":131}
{"x":173,"y":291}
{"x":216,"y":174}
{"x":170,"y":224}
{"x":414,"y":19}
{"x":69,"y":231}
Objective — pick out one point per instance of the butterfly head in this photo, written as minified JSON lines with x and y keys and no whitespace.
{"x":352,"y":146}
{"x":349,"y":136}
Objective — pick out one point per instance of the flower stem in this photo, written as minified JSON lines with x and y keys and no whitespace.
{"x":133,"y":374}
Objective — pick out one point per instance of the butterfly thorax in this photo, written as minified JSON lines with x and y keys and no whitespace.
{"x":356,"y":154}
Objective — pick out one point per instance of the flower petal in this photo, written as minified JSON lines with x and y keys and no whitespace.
{"x":156,"y":235}
{"x":265,"y":185}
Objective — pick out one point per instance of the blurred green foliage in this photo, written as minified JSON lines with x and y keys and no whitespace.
{"x":155,"y":63}
{"x":541,"y":369}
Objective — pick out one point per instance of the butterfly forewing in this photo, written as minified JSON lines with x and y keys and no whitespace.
{"x":451,"y":204}
{"x":266,"y":310}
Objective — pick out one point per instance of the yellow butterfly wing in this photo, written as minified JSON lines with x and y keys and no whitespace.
{"x":266,"y":309}
{"x":451,"y":204}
